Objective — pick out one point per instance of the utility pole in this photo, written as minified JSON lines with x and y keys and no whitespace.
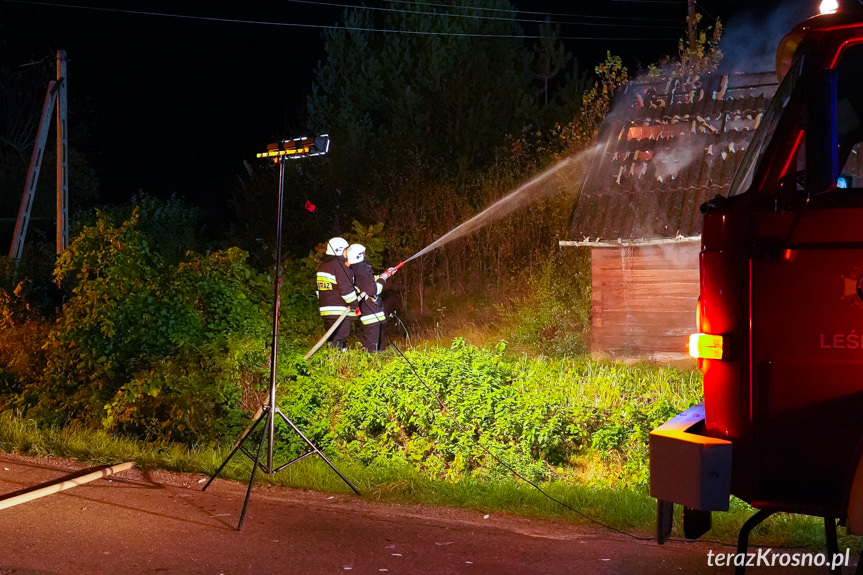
{"x":62,"y":158}
{"x":55,"y":96}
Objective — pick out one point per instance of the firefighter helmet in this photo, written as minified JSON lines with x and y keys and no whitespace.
{"x":356,"y":253}
{"x":336,"y":246}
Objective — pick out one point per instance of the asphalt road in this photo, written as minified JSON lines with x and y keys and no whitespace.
{"x":158,"y":522}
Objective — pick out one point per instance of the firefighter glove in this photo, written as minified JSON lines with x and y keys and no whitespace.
{"x":389,"y":273}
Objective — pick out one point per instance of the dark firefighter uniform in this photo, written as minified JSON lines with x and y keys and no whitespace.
{"x":335,"y":295}
{"x":372,"y":314}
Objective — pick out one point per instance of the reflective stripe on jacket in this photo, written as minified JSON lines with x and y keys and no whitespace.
{"x":335,"y":286}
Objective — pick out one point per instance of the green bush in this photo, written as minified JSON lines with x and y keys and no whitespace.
{"x":191,"y":397}
{"x":392,"y":414}
{"x":156,"y":350}
{"x":470,"y":412}
{"x":172,"y":226}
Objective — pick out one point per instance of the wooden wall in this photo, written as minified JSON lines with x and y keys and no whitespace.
{"x":643,"y":300}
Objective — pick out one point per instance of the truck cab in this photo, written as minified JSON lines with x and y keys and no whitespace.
{"x":780,"y":313}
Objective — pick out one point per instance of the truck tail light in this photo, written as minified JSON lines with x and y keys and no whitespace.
{"x":707,"y":346}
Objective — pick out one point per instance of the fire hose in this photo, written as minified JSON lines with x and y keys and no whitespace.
{"x":327,"y":335}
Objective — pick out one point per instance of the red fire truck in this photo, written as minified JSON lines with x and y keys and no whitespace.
{"x":781,"y":309}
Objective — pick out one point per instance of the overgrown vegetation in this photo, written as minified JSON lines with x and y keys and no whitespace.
{"x":176,"y":354}
{"x":179,"y":353}
{"x":173,"y":351}
{"x":465,"y":412}
{"x":159,"y":350}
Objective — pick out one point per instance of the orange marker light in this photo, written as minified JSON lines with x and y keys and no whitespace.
{"x":706,"y":346}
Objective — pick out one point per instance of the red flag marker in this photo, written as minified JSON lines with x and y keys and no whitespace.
{"x":310,"y":206}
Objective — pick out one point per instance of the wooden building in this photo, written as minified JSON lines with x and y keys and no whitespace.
{"x":667,"y":148}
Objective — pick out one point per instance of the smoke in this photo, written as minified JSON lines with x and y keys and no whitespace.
{"x":677,"y":258}
{"x":675,"y":160}
{"x":749,"y":41}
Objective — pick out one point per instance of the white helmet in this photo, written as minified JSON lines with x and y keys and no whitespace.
{"x":336,"y":246}
{"x":356,"y":253}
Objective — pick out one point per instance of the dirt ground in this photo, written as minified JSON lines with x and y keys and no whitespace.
{"x":159,"y":522}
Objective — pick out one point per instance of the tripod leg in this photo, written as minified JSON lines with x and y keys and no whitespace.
{"x":234,"y":450}
{"x":252,"y":478}
{"x":318,"y":451}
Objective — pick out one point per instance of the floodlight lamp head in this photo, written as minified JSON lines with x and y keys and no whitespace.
{"x":297,"y":148}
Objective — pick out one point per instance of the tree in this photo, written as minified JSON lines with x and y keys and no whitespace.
{"x":700,"y":57}
{"x":444,"y":92}
{"x":598,"y":101}
{"x":549,"y":56}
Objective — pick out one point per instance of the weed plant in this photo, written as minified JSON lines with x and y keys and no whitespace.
{"x":466,"y":412}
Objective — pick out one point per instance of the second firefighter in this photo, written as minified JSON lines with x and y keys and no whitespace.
{"x":372,"y":314}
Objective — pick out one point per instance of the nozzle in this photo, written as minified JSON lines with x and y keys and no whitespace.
{"x":388,"y":274}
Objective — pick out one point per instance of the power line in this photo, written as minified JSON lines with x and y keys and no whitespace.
{"x":323,"y":26}
{"x":562,"y":14}
{"x":499,"y":18}
{"x":705,"y":11}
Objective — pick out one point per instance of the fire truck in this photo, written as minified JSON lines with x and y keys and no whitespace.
{"x":780,"y":312}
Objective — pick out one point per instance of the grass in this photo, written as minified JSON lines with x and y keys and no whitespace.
{"x":625,"y":509}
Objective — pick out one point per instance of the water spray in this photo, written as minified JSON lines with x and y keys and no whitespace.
{"x":504,"y":206}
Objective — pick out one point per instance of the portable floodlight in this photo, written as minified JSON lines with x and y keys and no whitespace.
{"x":297,"y":148}
{"x":280,"y":152}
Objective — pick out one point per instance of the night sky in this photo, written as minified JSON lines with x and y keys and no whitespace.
{"x":174,"y":105}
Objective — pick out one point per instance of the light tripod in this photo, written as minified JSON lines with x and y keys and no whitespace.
{"x":280,"y":152}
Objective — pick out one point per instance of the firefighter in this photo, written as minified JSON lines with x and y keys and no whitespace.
{"x":336,"y":292}
{"x":372,"y":314}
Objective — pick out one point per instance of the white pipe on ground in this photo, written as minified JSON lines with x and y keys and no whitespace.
{"x":61,"y":484}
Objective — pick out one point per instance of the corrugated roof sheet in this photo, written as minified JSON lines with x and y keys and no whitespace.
{"x":669,"y":147}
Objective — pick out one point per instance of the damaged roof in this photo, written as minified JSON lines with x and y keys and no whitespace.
{"x":668,"y":147}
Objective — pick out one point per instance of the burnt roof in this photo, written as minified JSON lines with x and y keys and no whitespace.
{"x":668,"y":147}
